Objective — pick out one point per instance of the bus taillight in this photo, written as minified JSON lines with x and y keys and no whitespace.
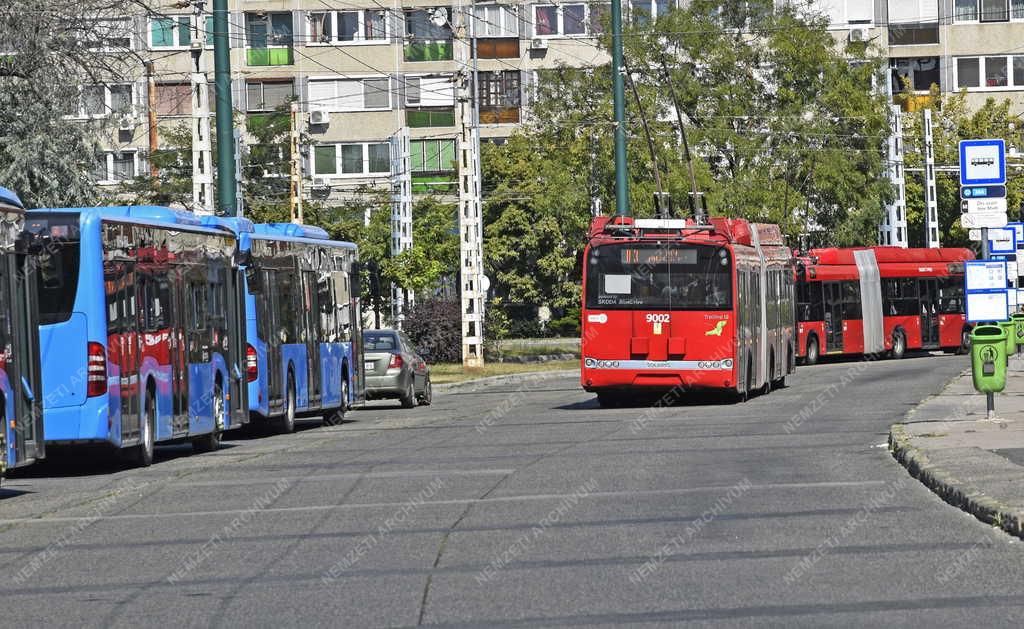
{"x":96,"y":370}
{"x":252,"y":365}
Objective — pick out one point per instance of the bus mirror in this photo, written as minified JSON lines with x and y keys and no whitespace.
{"x":357,"y":275}
{"x":253,"y":279}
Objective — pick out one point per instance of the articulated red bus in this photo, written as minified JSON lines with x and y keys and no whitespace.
{"x":671,"y":304}
{"x":875,"y":299}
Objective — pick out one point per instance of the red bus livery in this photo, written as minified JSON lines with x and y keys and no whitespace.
{"x":873,"y":299}
{"x":668,"y":303}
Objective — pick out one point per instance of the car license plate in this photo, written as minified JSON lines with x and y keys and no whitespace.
{"x":368,"y":365}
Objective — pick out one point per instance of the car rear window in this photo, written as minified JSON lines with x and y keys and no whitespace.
{"x":378,"y":341}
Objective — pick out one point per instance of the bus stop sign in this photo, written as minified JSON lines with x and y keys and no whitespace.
{"x":982,"y":162}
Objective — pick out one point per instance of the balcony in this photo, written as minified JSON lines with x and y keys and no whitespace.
{"x":421,"y":118}
{"x":497,"y":48}
{"x":914,"y":34}
{"x":270,"y":56}
{"x":428,"y":50}
{"x":440,"y":183}
{"x":499,"y":115}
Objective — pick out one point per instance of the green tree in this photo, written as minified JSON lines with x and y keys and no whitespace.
{"x":953,"y":120}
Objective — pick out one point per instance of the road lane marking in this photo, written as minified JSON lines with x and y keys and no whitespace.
{"x":329,"y":477}
{"x":451,"y":502}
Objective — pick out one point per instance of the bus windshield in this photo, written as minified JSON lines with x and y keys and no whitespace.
{"x":632,"y":276}
{"x":57,"y":277}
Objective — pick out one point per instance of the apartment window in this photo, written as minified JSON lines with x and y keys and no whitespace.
{"x":361,"y":158}
{"x":268,"y":95}
{"x":913,"y":22}
{"x":110,"y":35}
{"x":990,"y":73}
{"x":993,"y":11}
{"x":361,"y":26}
{"x":430,"y":91}
{"x":269,"y":37}
{"x":562,"y":20}
{"x":116,"y":167}
{"x":643,"y":11}
{"x":842,"y":13}
{"x":425,"y":40}
{"x":920,"y":73}
{"x":369,"y":94}
{"x":499,"y":96}
{"x":173,"y":99}
{"x":321,"y":26}
{"x":496,"y":20}
{"x":432,"y":156}
{"x":170,"y":32}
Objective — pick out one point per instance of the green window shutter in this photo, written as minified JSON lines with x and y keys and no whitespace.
{"x":324,"y":160}
{"x":416,"y":157}
{"x":432,"y":157}
{"x":184,"y":34}
{"x":162,"y":32}
{"x":447,"y":155}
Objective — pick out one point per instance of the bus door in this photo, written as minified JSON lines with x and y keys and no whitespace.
{"x":198,"y":352}
{"x":928,"y":307}
{"x":22,"y":353}
{"x":311,"y":325}
{"x":179,"y":324}
{"x":238,"y":389}
{"x":272,"y":293}
{"x":833,"y":316}
{"x":123,"y":340}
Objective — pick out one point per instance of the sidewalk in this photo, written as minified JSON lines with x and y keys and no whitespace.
{"x":970,"y":462}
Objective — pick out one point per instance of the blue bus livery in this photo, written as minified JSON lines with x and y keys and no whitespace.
{"x":302,"y":321}
{"x":21,"y":439}
{"x":139,"y":328}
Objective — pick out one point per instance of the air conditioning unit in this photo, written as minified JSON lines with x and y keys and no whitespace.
{"x":321,"y":183}
{"x":539,"y":43}
{"x":319,"y":116}
{"x":859,"y":34}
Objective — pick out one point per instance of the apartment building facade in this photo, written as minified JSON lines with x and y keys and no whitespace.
{"x":361,"y":71}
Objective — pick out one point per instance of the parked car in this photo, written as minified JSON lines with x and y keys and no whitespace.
{"x":394,"y":369}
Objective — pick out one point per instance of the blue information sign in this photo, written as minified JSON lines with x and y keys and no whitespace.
{"x":982,"y":162}
{"x":1002,"y":240}
{"x":982,"y":192}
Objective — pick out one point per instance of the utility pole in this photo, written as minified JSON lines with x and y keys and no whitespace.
{"x":931,"y":214}
{"x":619,"y":95}
{"x":893,"y":230}
{"x":202,"y":147}
{"x":401,"y":215}
{"x":227,"y":194}
{"x":295,"y":187}
{"x":473,"y":289}
{"x":151,"y":110}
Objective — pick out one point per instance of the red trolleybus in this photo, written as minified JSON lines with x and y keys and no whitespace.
{"x":870,"y":300}
{"x":671,"y":304}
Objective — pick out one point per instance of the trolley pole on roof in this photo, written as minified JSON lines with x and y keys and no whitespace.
{"x":619,"y":101}
{"x":226,"y":192}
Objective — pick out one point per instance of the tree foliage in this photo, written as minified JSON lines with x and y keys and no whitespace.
{"x":784,"y":127}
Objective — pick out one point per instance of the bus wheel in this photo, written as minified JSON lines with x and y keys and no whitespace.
{"x":899,"y":344}
{"x":211,"y":441}
{"x":286,"y":423}
{"x":428,"y":393}
{"x":965,"y":343}
{"x":813,"y":351}
{"x":142,"y":454}
{"x":337,"y":416}
{"x":408,"y":398}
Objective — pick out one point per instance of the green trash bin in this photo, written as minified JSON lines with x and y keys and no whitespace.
{"x":1010,"y":328}
{"x":1018,"y":328}
{"x":988,"y":357}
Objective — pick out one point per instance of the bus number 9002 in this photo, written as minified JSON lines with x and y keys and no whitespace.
{"x":657,"y":318}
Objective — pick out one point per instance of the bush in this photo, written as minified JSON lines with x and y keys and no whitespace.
{"x":435,"y":326}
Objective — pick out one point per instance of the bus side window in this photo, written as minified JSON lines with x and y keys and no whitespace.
{"x":325,"y":301}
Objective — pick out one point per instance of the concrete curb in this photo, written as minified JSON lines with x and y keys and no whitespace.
{"x":513,"y":378}
{"x":952,"y":489}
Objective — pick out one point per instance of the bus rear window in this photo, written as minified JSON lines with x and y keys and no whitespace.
{"x":659,"y":277}
{"x":58,"y":263}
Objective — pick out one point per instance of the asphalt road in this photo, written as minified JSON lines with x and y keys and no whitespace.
{"x":524,"y":505}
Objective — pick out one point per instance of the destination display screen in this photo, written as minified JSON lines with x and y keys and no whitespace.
{"x":658,"y":255}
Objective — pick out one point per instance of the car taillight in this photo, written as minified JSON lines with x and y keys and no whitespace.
{"x":396,"y":361}
{"x":97,"y":370}
{"x":252,"y":365}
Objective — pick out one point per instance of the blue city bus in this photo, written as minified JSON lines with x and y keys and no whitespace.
{"x":20,"y":405}
{"x":303,"y":323}
{"x":139,"y":328}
